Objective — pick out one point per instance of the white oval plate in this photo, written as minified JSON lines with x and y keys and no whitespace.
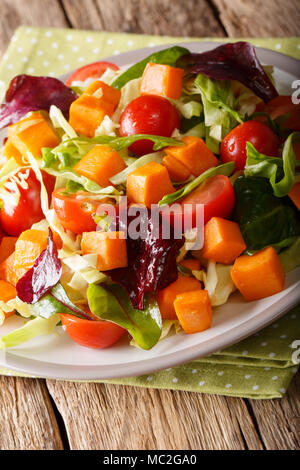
{"x":56,"y":356}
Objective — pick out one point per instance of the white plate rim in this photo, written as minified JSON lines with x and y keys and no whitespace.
{"x":66,"y":372}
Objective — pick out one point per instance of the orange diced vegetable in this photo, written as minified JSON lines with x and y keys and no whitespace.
{"x":195,"y":155}
{"x":148,"y":184}
{"x":109,"y":246}
{"x":177,"y":170}
{"x":294,"y":194}
{"x":100,"y":164}
{"x":7,"y":291}
{"x":9,"y":273}
{"x":7,"y":247}
{"x":104,"y":92}
{"x":29,"y":246}
{"x":192,"y":264}
{"x":259,"y":275}
{"x":10,"y":151}
{"x":194,"y":311}
{"x":162,"y":80}
{"x":87,"y":113}
{"x":32,"y":134}
{"x":223,"y":241}
{"x":166,"y":297}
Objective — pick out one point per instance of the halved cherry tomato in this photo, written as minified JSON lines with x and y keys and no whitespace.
{"x":75,"y":211}
{"x":280,"y":106}
{"x":233,"y":146}
{"x":93,"y":70}
{"x":217,"y":195}
{"x":148,"y":114}
{"x":97,"y":334}
{"x":21,"y":204}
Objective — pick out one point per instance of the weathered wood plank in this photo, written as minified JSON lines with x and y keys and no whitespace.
{"x":279,"y":420}
{"x":193,"y":18}
{"x":26,"y":416}
{"x":256,"y":18}
{"x":117,"y":417}
{"x":29,"y":12}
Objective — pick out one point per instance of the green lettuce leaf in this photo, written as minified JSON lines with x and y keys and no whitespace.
{"x":279,"y":171}
{"x":264,"y":219}
{"x":225,"y":169}
{"x":38,"y":326}
{"x":113,"y":303}
{"x":167,"y":56}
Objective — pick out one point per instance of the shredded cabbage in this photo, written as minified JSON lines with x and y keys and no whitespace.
{"x":129,"y":92}
{"x":59,"y":121}
{"x":107,"y":127}
{"x":38,"y":326}
{"x":217,"y":281}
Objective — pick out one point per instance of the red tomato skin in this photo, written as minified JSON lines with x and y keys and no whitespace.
{"x":148,"y":114}
{"x":15,"y":219}
{"x":76,"y":215}
{"x":278,"y":107}
{"x":233,"y":146}
{"x":93,"y":70}
{"x":91,"y":334}
{"x":216,"y":194}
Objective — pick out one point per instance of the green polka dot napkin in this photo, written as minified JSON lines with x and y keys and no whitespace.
{"x":260,"y":366}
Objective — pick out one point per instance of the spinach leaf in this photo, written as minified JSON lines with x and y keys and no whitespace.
{"x":113,"y":303}
{"x":225,"y":169}
{"x":167,"y":56}
{"x":57,"y":301}
{"x":279,"y":171}
{"x":264,"y":219}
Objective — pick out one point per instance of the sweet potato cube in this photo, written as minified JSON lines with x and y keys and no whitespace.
{"x":192,"y":264}
{"x":7,"y":247}
{"x":193,"y":310}
{"x":148,"y":184}
{"x":259,"y":275}
{"x":29,"y":246}
{"x":166,"y":297}
{"x":10,"y":151}
{"x":9,"y":273}
{"x":87,"y":113}
{"x":177,"y":170}
{"x":104,"y":92}
{"x":162,"y":80}
{"x":100,"y":164}
{"x":7,"y":291}
{"x":223,"y":241}
{"x":195,"y":155}
{"x":110,"y":248}
{"x":32,"y":134}
{"x":294,"y":194}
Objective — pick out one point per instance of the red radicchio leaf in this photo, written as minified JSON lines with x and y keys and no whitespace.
{"x":236,"y":61}
{"x":45,"y":273}
{"x":151,"y":260}
{"x":26,"y":93}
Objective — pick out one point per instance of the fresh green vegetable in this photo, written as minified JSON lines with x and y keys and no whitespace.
{"x":167,"y":56}
{"x":264,"y":219}
{"x":225,"y":169}
{"x":38,"y":326}
{"x":279,"y":171}
{"x":113,"y":303}
{"x":290,"y":258}
{"x":56,"y":301}
{"x":123,"y":175}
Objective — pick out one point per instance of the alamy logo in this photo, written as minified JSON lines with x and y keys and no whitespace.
{"x":296,"y":93}
{"x":296,"y":354}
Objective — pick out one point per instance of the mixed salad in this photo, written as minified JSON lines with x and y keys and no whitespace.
{"x":206,"y":135}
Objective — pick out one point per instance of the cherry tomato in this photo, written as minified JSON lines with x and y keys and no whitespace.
{"x":94,"y":70}
{"x":233,"y":146}
{"x":280,"y":106}
{"x":217,"y":195}
{"x":21,"y":204}
{"x":91,"y":334}
{"x":75,"y":211}
{"x":148,"y":114}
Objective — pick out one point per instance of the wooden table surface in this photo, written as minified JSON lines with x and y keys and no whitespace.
{"x":47,"y":414}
